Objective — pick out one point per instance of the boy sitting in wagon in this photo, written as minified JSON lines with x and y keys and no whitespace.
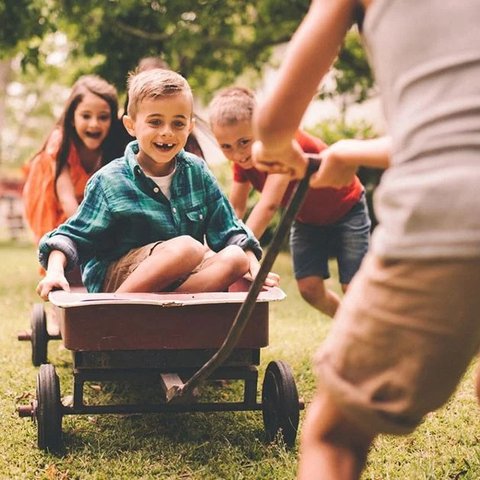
{"x":145,"y":217}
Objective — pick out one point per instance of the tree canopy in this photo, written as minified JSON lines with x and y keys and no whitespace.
{"x":353,"y":80}
{"x":24,"y":25}
{"x":210,"y":42}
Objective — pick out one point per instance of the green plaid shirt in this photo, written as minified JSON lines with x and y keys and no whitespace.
{"x":124,"y":209}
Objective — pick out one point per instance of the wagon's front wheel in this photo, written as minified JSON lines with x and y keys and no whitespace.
{"x":39,"y":337}
{"x":48,"y":412}
{"x":280,"y":405}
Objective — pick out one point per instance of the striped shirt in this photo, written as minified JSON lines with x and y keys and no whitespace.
{"x":124,"y":209}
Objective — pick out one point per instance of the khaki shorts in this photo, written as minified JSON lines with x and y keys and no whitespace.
{"x":119,"y":270}
{"x":401,"y":340}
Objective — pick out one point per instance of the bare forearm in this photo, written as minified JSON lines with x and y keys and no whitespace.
{"x":341,"y":160}
{"x":57,"y":261}
{"x":69,"y":207}
{"x":259,"y":219}
{"x":239,"y":210}
{"x":238,"y":197}
{"x":55,"y":277}
{"x":309,"y":56}
{"x":66,"y":193}
{"x":374,"y":153}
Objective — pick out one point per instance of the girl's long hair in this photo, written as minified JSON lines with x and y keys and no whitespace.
{"x":100,"y":87}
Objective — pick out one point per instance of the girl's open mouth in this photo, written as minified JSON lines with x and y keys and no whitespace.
{"x":94,"y":135}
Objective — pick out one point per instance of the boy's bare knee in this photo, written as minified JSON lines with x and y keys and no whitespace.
{"x":312,"y":291}
{"x":236,"y":258}
{"x":190,"y":243}
{"x":186,"y":246}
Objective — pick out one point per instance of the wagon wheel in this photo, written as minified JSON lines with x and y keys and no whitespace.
{"x":48,"y":412}
{"x":39,"y":336}
{"x":280,"y":405}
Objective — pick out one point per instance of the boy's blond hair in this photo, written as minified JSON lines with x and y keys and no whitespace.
{"x":154,"y":83}
{"x":232,"y":105}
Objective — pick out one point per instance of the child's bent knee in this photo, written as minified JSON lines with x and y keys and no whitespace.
{"x":188,"y":241}
{"x":186,"y":245}
{"x":238,"y":259}
{"x":234,"y":251}
{"x":312,"y":292}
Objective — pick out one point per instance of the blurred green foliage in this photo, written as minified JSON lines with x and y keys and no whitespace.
{"x":352,"y":77}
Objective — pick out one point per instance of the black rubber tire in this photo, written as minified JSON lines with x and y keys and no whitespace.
{"x":280,"y":405}
{"x":39,"y":339}
{"x":48,"y":411}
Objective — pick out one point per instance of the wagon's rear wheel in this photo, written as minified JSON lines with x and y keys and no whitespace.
{"x":280,"y":405}
{"x":39,"y":338}
{"x":48,"y":412}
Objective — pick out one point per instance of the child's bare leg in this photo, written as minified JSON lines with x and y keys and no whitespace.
{"x":169,"y":261}
{"x":218,"y":271}
{"x":331,"y":446}
{"x":314,"y":291}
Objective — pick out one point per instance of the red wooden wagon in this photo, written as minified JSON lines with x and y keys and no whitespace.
{"x":163,"y":337}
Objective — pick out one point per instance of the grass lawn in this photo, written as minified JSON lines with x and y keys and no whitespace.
{"x":200,"y":446}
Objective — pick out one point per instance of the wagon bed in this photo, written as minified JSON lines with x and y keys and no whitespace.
{"x":145,"y":321}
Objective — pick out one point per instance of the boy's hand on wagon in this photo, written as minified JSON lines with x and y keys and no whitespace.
{"x":52,"y":281}
{"x":272,"y":280}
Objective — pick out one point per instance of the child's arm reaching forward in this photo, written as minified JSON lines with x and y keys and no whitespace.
{"x":341,"y":160}
{"x":309,"y":56}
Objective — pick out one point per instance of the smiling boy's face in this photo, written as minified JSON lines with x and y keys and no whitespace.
{"x":236,"y":142}
{"x":161,"y":126}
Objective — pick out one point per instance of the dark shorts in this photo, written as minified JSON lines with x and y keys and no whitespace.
{"x":346,"y":240}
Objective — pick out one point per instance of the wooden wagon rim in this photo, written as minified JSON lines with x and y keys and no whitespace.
{"x":63,"y":299}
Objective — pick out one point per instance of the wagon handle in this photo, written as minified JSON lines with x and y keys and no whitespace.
{"x":247,"y":306}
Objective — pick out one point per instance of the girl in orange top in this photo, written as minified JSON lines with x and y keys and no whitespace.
{"x":82,"y":142}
